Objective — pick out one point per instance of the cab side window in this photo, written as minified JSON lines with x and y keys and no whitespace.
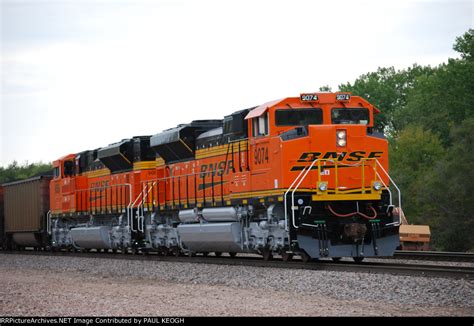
{"x":68,"y":169}
{"x":260,"y":125}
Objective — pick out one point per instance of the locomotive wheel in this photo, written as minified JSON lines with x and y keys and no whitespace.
{"x":358,"y":259}
{"x":218,"y":253}
{"x":336,"y":259}
{"x":305,"y":257}
{"x":286,"y":256}
{"x":232,"y":254}
{"x":267,"y":254}
{"x":175,"y":251}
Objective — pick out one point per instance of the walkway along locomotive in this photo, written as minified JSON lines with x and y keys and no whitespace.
{"x":298,"y":176}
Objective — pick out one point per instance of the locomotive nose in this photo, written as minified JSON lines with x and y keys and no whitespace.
{"x":347,"y":160}
{"x":337,"y":137}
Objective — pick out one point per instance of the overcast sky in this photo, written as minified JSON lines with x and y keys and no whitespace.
{"x":79,"y":75}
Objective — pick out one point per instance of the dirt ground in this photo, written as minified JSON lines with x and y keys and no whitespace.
{"x":43,"y":293}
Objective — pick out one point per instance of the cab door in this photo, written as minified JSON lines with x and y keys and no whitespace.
{"x":260,"y":153}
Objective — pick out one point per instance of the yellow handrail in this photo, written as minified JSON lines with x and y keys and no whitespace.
{"x":337,"y":164}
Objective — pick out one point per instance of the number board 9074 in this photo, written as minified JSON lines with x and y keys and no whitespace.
{"x":309,"y":97}
{"x":343,"y":97}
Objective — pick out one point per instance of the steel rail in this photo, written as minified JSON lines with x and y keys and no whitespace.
{"x":435,"y":255}
{"x":460,"y":272}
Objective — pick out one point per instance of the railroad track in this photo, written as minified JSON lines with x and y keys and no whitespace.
{"x":321,"y":265}
{"x":435,"y":256}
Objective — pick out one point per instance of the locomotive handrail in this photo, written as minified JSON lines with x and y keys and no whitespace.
{"x":110,"y":187}
{"x":183,"y":175}
{"x":306,"y":169}
{"x":393,"y":182}
{"x":361,"y":164}
{"x":120,"y":185}
{"x":238,"y":140}
{"x":141,"y":206}
{"x":398,"y":190}
{"x":48,"y":222}
{"x":286,"y":193}
{"x":129,"y":212}
{"x":390,"y":196}
{"x":293,"y":193}
{"x":402,"y":215}
{"x":171,"y":177}
{"x":116,"y":186}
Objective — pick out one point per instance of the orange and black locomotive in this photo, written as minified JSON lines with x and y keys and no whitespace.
{"x":303,"y":176}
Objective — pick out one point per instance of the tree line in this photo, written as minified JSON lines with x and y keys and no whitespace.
{"x":16,"y":171}
{"x":427,"y":116}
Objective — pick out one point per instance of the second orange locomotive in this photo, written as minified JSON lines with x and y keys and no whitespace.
{"x":298,"y":176}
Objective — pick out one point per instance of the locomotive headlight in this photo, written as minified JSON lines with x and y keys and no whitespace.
{"x":341,"y":138}
{"x":377,"y":185}
{"x":323,"y":186}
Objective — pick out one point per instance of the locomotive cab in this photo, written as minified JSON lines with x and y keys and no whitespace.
{"x":321,"y":150}
{"x":60,"y":189}
{"x":64,"y":167}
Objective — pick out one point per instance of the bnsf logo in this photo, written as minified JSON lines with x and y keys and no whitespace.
{"x":216,"y":169}
{"x":347,"y":156}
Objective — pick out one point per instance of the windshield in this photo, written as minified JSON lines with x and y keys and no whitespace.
{"x":356,"y":116}
{"x":298,"y":117}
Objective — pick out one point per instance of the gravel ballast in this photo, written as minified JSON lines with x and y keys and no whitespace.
{"x":73,"y":286}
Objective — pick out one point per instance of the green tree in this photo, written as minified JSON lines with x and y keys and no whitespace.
{"x":14,"y":171}
{"x":447,"y":200}
{"x":387,"y":89}
{"x":465,"y":45}
{"x":412,"y":154}
{"x":325,"y":88}
{"x":442,"y":100}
